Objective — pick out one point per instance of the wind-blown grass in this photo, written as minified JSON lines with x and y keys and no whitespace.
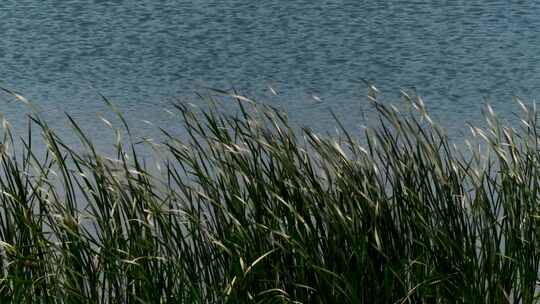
{"x":245,"y":210}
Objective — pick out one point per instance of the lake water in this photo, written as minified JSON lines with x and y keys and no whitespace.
{"x":143,"y":54}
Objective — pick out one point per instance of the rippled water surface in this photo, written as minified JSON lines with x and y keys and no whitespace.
{"x":143,"y":54}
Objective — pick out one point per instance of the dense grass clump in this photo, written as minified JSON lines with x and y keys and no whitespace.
{"x":243,"y":209}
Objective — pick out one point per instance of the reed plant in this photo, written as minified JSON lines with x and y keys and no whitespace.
{"x":244,"y":209}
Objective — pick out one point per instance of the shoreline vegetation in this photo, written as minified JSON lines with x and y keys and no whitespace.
{"x":245,"y":210}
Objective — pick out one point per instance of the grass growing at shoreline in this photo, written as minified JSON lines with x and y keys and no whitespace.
{"x":245,"y":210}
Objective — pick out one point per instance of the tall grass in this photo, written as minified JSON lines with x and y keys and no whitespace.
{"x":244,"y":209}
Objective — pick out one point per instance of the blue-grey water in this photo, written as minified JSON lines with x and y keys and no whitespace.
{"x":143,"y":54}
